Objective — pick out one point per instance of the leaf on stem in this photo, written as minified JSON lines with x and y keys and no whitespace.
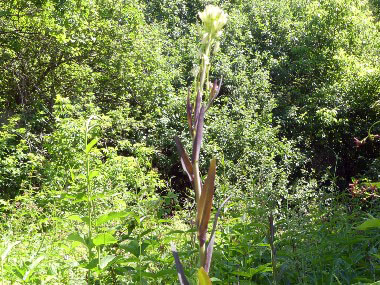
{"x":203,"y":277}
{"x":205,"y":203}
{"x":189,"y":110}
{"x":185,"y":160}
{"x":77,"y":237}
{"x":371,"y":223}
{"x":107,"y":261}
{"x":104,"y":238}
{"x":31,"y":268}
{"x":198,"y":136}
{"x":91,"y":145}
{"x":111,"y":216}
{"x":8,"y":250}
{"x":181,"y":273}
{"x":210,"y":245}
{"x":214,"y":92}
{"x":198,"y":104}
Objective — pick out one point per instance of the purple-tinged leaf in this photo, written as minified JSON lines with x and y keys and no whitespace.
{"x":198,"y":104}
{"x":198,"y":135}
{"x":214,"y":93}
{"x":210,"y":246}
{"x":181,"y":273}
{"x":189,"y":111}
{"x":205,"y":203}
{"x":213,"y":90}
{"x":185,"y":160}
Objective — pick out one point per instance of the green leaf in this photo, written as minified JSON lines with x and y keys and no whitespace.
{"x":7,"y":251}
{"x":104,"y":238}
{"x":134,"y":247}
{"x":110,"y":217}
{"x":203,"y":277}
{"x":371,"y":223}
{"x":107,"y":260}
{"x":90,"y":265}
{"x":93,"y":174}
{"x":79,"y":219}
{"x":32,"y":267}
{"x":263,"y":244}
{"x":252,"y":271}
{"x":80,"y":197}
{"x":76,"y":237}
{"x":166,"y":272}
{"x":97,"y":196}
{"x":91,"y":145}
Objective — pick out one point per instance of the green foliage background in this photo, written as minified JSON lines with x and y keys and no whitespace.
{"x":301,"y":79}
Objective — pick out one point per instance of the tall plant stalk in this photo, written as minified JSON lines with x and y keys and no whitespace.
{"x":213,"y":20}
{"x":90,"y":205}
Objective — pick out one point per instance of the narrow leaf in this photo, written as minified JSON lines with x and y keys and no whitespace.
{"x":198,"y":103}
{"x":104,"y":238}
{"x":185,"y":160}
{"x":91,"y":145}
{"x":8,"y":250}
{"x":213,"y":89}
{"x":371,"y":223}
{"x":198,"y":136}
{"x":210,"y":246}
{"x":203,"y":277}
{"x":189,"y":111}
{"x":214,"y":92}
{"x":205,"y":202}
{"x":32,"y":266}
{"x":181,"y":273}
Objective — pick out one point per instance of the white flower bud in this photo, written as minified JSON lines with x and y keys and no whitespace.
{"x":213,"y":19}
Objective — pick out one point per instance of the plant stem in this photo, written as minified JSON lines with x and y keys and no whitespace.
{"x":272,"y":247}
{"x":89,"y":202}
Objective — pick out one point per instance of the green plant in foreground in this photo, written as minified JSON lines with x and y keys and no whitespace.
{"x":95,"y":239}
{"x":213,"y":19}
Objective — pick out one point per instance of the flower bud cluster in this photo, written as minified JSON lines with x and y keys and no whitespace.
{"x":213,"y":19}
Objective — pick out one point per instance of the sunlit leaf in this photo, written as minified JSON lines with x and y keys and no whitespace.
{"x":106,"y":261}
{"x":203,"y":277}
{"x":8,"y":250}
{"x":76,"y":237}
{"x":32,"y":267}
{"x":93,"y":174}
{"x":79,"y":219}
{"x":205,"y":202}
{"x":104,"y":238}
{"x":91,"y":145}
{"x":110,"y":217}
{"x":371,"y":223}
